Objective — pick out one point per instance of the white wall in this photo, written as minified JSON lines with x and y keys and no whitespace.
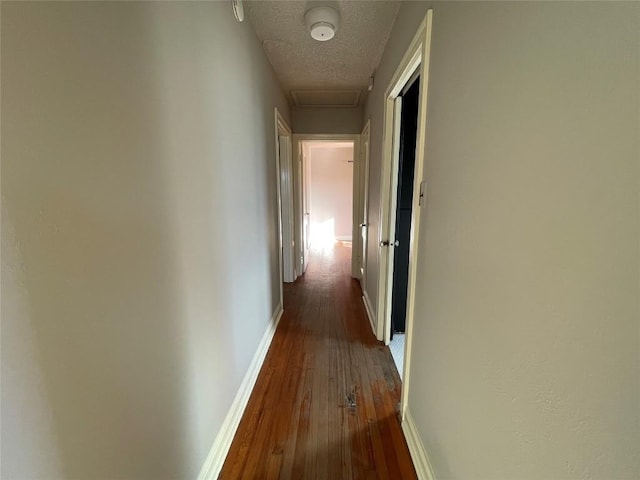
{"x":327,"y":120}
{"x":331,"y":190}
{"x":526,"y":360}
{"x":137,"y":282}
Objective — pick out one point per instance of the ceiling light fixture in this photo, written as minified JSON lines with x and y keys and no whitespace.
{"x":322,"y":22}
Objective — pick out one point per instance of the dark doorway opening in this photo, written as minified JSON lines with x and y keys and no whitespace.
{"x":404,"y":201}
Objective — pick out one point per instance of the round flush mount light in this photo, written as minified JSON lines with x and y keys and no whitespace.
{"x":322,"y":22}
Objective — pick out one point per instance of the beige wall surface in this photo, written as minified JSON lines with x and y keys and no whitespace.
{"x":331,"y":192}
{"x":136,"y":281}
{"x":525,"y":358}
{"x":327,"y":120}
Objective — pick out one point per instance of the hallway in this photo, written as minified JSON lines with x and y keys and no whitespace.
{"x":324,"y":404}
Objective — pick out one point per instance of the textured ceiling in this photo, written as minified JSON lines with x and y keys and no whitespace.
{"x":344,"y":62}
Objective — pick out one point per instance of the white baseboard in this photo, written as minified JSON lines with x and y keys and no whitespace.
{"x":416,"y":448}
{"x":218,"y":453}
{"x":369,"y":309}
{"x":344,"y":238}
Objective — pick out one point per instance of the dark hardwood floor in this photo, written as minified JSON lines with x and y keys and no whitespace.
{"x":324,"y":404}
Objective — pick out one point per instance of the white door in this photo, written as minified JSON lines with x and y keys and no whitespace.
{"x":299,"y":210}
{"x":286,"y":187}
{"x":387,"y":250}
{"x":306,"y":210}
{"x":364,"y":203}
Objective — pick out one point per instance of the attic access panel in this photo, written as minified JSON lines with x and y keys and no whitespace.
{"x":348,"y":98}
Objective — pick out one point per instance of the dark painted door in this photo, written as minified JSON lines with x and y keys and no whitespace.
{"x":406,"y":168}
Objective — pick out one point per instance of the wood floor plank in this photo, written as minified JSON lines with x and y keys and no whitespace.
{"x":324,"y":405}
{"x":303,"y":433}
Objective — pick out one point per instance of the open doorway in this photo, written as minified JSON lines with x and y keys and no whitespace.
{"x":324,"y":179}
{"x":408,"y":101}
{"x":403,"y":193}
{"x":329,"y":172}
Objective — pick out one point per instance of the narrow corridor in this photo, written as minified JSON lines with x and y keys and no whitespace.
{"x":324,"y":405}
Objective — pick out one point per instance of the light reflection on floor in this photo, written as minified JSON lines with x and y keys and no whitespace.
{"x":397,"y":351}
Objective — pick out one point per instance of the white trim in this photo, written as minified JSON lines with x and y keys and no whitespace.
{"x":415,"y":58}
{"x":369,"y":309}
{"x":336,"y":137}
{"x":299,"y":173}
{"x":286,"y":185}
{"x":356,"y":216}
{"x":385,"y":289}
{"x":281,"y":128}
{"x":218,"y":453}
{"x":361,"y":208}
{"x":416,"y":448}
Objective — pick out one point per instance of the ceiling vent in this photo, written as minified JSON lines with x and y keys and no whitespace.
{"x":326,"y":98}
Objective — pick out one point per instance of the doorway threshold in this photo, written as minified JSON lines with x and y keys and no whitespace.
{"x":396,"y":345}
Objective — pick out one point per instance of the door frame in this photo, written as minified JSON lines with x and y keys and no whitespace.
{"x":361,"y":207}
{"x":416,"y":58}
{"x":297,"y":140}
{"x":282,"y":129}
